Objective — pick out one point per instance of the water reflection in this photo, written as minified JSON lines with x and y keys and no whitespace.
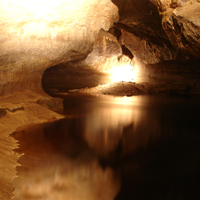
{"x":147,"y":147}
{"x":59,"y":165}
{"x":106,"y":124}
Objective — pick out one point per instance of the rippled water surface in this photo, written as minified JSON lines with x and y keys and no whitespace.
{"x":141,"y":148}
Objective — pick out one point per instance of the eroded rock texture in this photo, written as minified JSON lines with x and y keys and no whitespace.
{"x":142,"y":32}
{"x":181,"y":23}
{"x":35,"y":35}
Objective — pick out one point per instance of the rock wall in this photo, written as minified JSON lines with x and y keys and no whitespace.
{"x":142,"y":31}
{"x":181,"y":23}
{"x":35,"y":35}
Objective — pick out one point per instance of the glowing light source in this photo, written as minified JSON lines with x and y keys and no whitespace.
{"x":122,"y":72}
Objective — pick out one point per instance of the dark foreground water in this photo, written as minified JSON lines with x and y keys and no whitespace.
{"x":139,"y":148}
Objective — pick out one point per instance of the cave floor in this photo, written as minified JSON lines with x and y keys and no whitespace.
{"x":18,"y":111}
{"x":147,"y":88}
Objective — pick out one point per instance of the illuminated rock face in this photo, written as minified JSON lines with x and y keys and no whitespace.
{"x":106,"y":51}
{"x":87,"y":73}
{"x":106,"y":63}
{"x":35,"y":35}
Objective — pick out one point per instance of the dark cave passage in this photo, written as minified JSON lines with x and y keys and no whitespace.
{"x":65,"y":77}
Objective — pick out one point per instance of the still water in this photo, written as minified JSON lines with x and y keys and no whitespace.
{"x":122,"y":148}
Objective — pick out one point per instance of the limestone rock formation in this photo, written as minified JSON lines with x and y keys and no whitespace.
{"x":106,"y":52}
{"x":147,"y":51}
{"x":35,"y":35}
{"x":38,"y":35}
{"x":181,"y":23}
{"x":142,"y":32}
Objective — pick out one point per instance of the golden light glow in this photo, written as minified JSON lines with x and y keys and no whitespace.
{"x":122,"y":72}
{"x":105,"y":124}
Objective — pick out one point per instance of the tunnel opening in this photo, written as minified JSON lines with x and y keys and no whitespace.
{"x":170,"y":78}
{"x":67,"y":76}
{"x":108,"y":63}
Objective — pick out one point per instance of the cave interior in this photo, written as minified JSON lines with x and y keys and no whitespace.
{"x":121,"y":48}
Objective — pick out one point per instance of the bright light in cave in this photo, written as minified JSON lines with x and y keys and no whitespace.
{"x":122,"y":72}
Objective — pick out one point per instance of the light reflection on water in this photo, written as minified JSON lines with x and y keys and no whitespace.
{"x":144,"y":145}
{"x":105,"y":124}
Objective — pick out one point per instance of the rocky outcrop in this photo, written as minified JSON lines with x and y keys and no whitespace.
{"x":106,"y":52}
{"x":142,"y":32}
{"x":39,"y":34}
{"x":181,"y":23}
{"x":147,"y":51}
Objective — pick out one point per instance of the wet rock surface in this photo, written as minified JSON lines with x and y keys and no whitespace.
{"x":18,"y":111}
{"x":131,"y":89}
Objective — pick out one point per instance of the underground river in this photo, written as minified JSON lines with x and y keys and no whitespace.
{"x":140,"y":147}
